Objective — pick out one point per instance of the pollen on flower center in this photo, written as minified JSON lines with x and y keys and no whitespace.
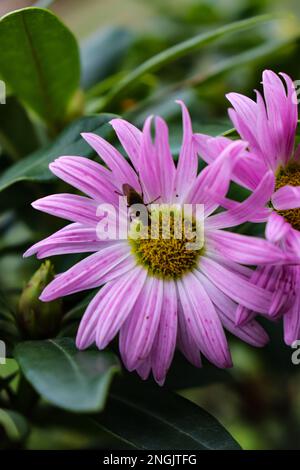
{"x":290,"y":175}
{"x":169,"y":245}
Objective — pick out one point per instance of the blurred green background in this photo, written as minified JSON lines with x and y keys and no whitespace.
{"x":259,"y":402}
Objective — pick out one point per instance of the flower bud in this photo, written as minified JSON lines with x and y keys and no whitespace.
{"x":39,"y":319}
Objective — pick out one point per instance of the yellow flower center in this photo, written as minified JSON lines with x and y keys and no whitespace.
{"x":290,"y":175}
{"x":170,"y":245}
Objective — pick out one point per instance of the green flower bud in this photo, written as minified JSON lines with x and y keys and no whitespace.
{"x":37,"y":319}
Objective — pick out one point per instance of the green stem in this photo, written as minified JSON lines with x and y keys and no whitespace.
{"x":178,"y":51}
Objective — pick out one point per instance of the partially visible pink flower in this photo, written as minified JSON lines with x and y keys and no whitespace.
{"x":282,"y":281}
{"x":165,"y":297}
{"x":269,"y":126}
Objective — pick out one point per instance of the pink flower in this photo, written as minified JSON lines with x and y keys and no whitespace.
{"x":269,"y":126}
{"x":155,"y":294}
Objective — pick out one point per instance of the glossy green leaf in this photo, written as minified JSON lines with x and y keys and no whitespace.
{"x":181,"y":50}
{"x":74,"y":380}
{"x":39,"y":61}
{"x":14,"y":424}
{"x":149,"y":417}
{"x":69,"y":142}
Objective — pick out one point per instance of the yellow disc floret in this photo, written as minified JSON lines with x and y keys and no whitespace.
{"x":170,"y":244}
{"x":290,"y":175}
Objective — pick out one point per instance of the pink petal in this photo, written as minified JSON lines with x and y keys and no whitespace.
{"x":244,"y":117}
{"x":70,"y":207}
{"x":87,"y":176}
{"x":291,"y":321}
{"x":138,"y":332}
{"x":244,"y":211}
{"x":130,"y":138}
{"x":248,"y":171}
{"x":114,"y":308}
{"x":185,"y":340}
{"x":244,"y":249}
{"x":144,"y":369}
{"x":91,"y":272}
{"x":203,"y":321}
{"x":293,"y":241}
{"x":235,"y":286}
{"x":149,"y":165}
{"x":94,"y":318}
{"x":251,"y":333}
{"x":165,"y":340}
{"x":215,"y":178}
{"x":262,"y":276}
{"x":166,"y":167}
{"x":287,"y":197}
{"x":74,"y":238}
{"x":188,"y":160}
{"x":122,"y":171}
{"x":277,"y":228}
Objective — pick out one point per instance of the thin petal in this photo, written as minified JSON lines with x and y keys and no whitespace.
{"x":277,"y":228}
{"x":188,"y":160}
{"x":91,"y":272}
{"x":130,"y":138}
{"x":165,"y":340}
{"x":291,"y":320}
{"x":74,"y":238}
{"x":185,"y":340}
{"x":87,"y":176}
{"x":122,"y":171}
{"x":251,"y":333}
{"x":215,"y":178}
{"x":113,"y":309}
{"x":138,"y":332}
{"x":144,"y":368}
{"x":244,"y":211}
{"x":248,"y":171}
{"x":203,"y":321}
{"x":70,"y":207}
{"x":93,"y":316}
{"x":166,"y":165}
{"x":235,"y":286}
{"x":287,"y":197}
{"x":149,"y":165}
{"x":245,"y":249}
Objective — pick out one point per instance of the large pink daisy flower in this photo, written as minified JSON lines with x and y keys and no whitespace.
{"x":269,"y":126}
{"x":155,"y":293}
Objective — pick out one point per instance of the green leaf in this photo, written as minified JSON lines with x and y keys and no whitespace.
{"x":180,"y":50}
{"x":15,"y":425}
{"x":255,"y":54}
{"x":74,"y":380}
{"x":17,"y":134}
{"x":39,"y":61}
{"x":9,"y":369}
{"x":69,"y":142}
{"x":102,"y":53}
{"x":149,"y":417}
